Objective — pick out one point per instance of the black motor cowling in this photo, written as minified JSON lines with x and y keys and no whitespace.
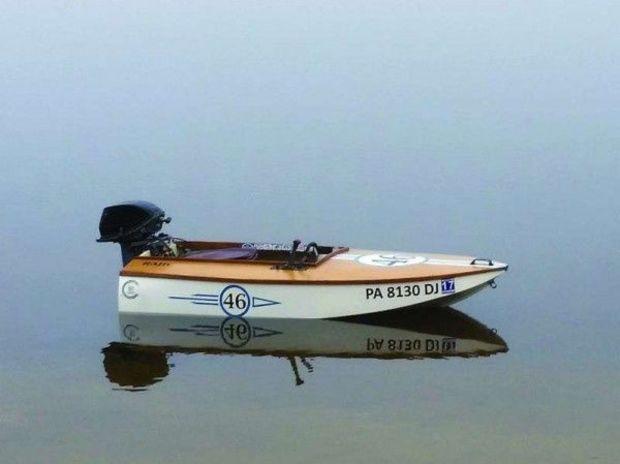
{"x":132,"y":225}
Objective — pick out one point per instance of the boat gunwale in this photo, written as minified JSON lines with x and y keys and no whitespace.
{"x":124,"y":273}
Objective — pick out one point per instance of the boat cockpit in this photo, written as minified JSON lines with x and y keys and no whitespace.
{"x":135,"y":226}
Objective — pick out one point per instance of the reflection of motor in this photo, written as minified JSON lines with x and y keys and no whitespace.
{"x":134,"y":368}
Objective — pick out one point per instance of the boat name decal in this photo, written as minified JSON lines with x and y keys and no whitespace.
{"x":155,"y":263}
{"x":234,"y":300}
{"x":445,"y":287}
{"x":273,"y":246}
{"x":391,"y":259}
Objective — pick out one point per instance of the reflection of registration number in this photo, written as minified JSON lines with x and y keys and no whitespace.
{"x":428,"y":345}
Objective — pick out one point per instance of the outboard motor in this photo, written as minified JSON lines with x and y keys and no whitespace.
{"x":133,"y":226}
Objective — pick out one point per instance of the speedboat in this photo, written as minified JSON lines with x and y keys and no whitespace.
{"x":141,"y":358}
{"x":162,"y":274}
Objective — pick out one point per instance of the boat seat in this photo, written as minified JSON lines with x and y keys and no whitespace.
{"x":224,"y":254}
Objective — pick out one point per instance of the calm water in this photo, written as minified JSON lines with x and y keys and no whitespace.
{"x":489,"y":130}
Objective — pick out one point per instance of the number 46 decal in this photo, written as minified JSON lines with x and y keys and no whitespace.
{"x":236,"y":301}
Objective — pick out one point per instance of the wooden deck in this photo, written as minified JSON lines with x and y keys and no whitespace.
{"x":333,"y":271}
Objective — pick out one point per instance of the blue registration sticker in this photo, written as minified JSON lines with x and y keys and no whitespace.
{"x":447,"y":286}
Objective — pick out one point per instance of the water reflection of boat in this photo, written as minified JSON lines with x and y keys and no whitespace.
{"x":149,"y":340}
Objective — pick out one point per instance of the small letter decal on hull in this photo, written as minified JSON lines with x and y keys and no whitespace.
{"x":130,"y":289}
{"x":448,"y":286}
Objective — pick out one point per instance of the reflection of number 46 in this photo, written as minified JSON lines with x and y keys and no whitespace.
{"x":235,"y":332}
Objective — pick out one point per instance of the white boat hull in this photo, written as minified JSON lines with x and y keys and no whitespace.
{"x":149,"y":295}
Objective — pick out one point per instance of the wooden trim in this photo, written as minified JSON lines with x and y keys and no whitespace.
{"x":388,"y":356}
{"x":124,"y":273}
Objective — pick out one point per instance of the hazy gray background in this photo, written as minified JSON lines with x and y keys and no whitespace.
{"x":487,"y":128}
